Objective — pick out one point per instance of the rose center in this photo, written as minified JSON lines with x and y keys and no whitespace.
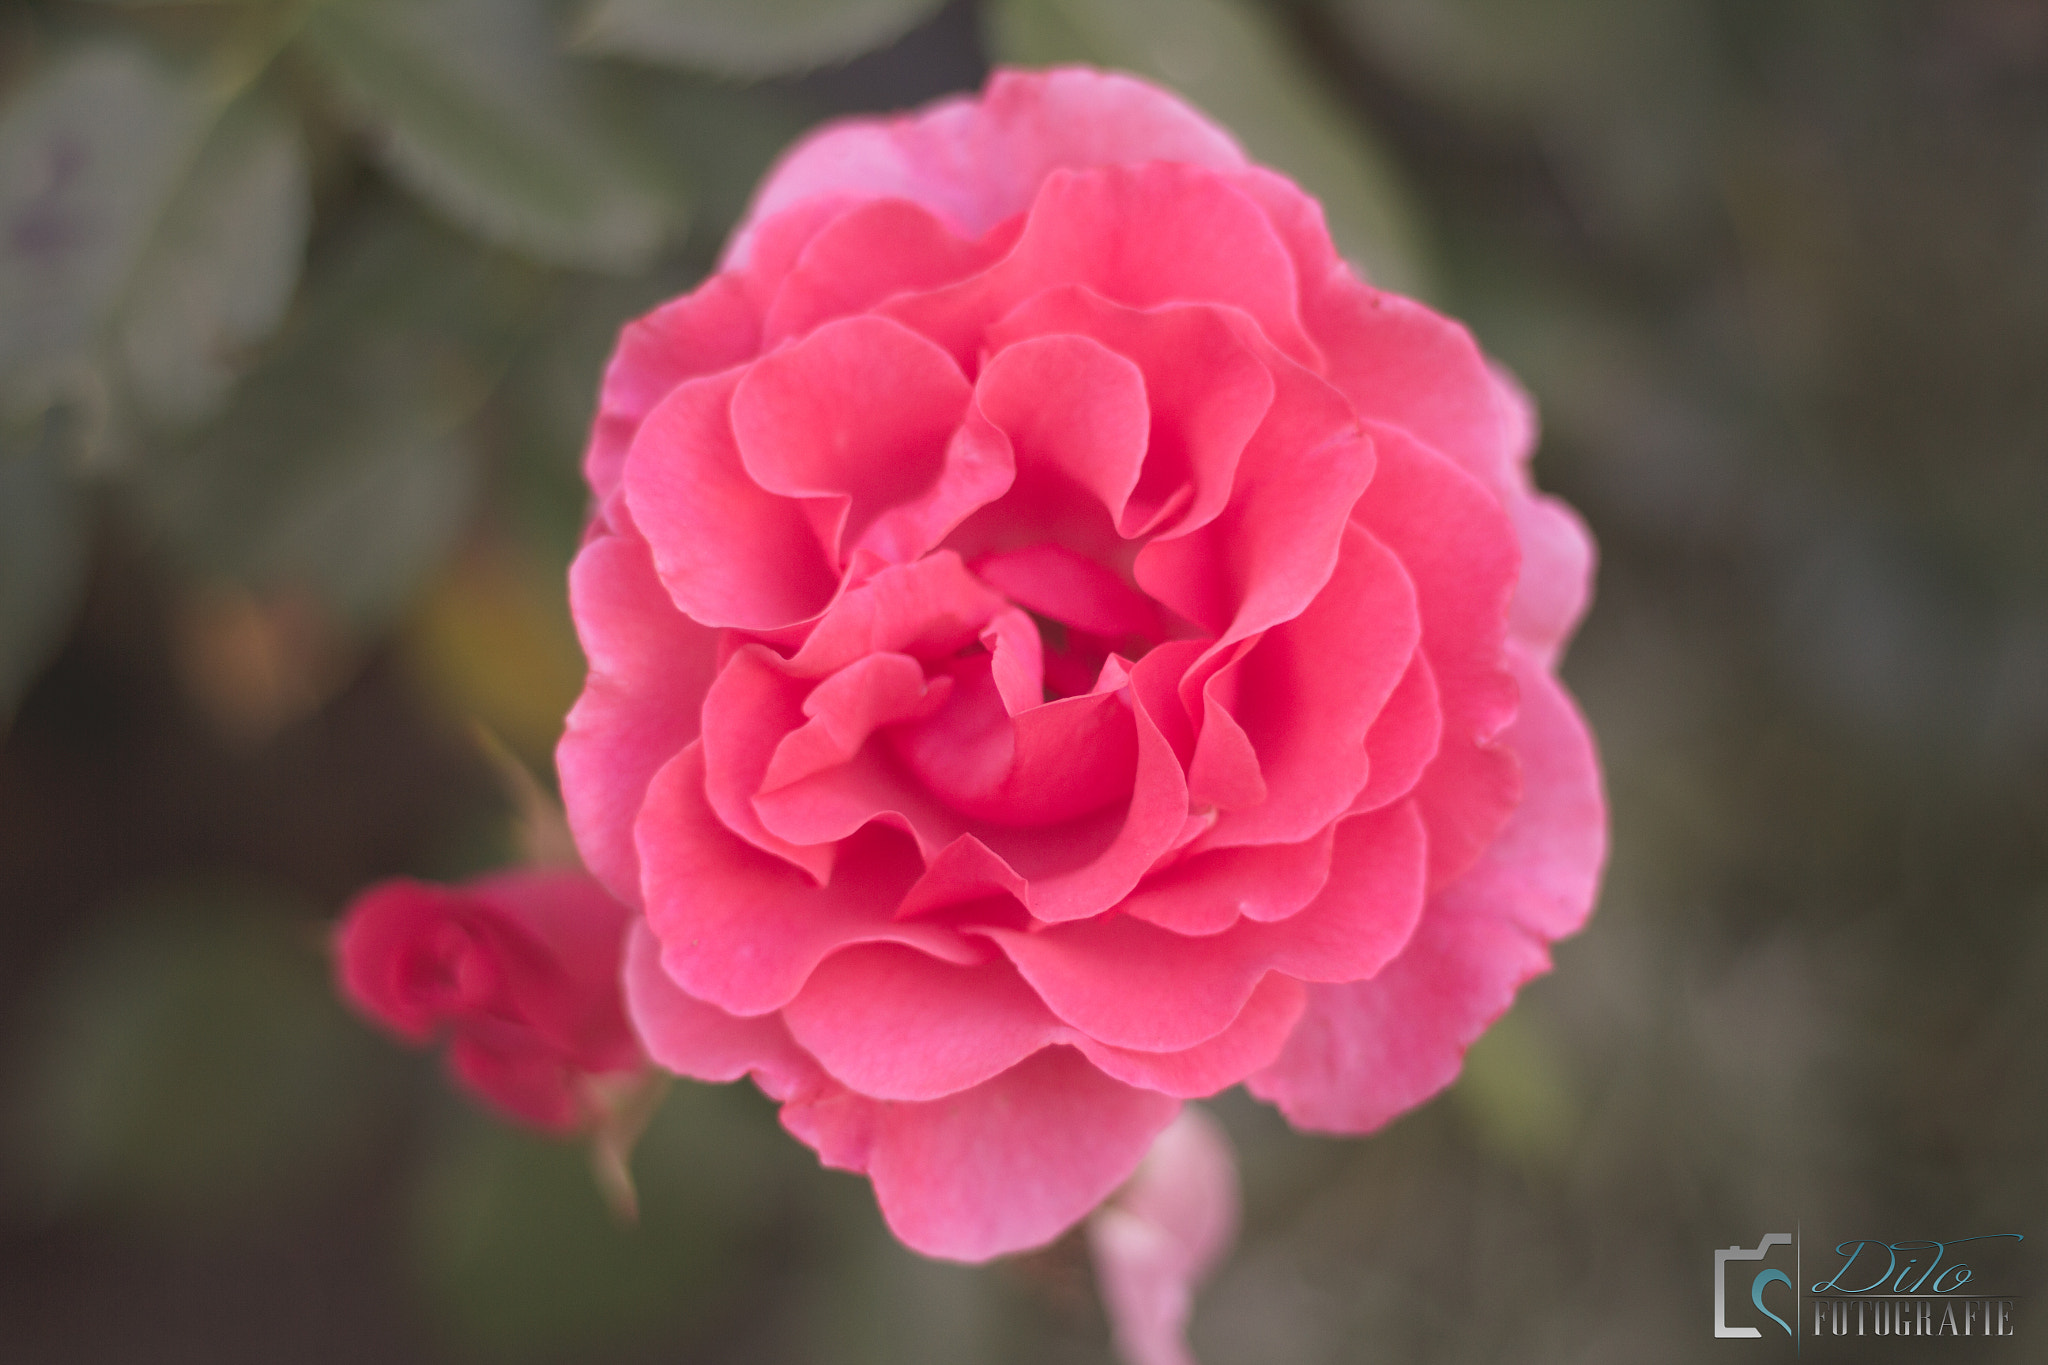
{"x":1084,"y":611}
{"x":1074,"y":658}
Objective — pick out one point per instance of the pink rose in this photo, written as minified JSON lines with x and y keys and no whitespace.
{"x":520,"y":970}
{"x":1061,"y":644}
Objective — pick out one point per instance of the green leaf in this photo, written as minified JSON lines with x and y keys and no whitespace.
{"x":44,"y":544}
{"x":343,"y":465}
{"x":747,"y":37}
{"x":222,"y":266}
{"x":523,"y":1259}
{"x":473,"y":106}
{"x":90,"y":152}
{"x":150,"y":241}
{"x":189,"y":1058}
{"x":1232,"y":60}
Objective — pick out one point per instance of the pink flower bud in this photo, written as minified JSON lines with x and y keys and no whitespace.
{"x":519,"y":970}
{"x":1157,"y":1238}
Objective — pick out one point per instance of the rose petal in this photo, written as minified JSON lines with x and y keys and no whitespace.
{"x":928,"y":609}
{"x":1307,"y":694}
{"x":844,"y":709}
{"x":1403,"y":739}
{"x":866,"y":254}
{"x":1052,"y":580}
{"x":1142,"y":236}
{"x":750,"y":708}
{"x":1367,"y":1051}
{"x":1458,"y":547}
{"x":1251,"y":1042}
{"x":1161,"y":233}
{"x":1557,"y":575}
{"x":743,"y":930}
{"x":1225,"y":774}
{"x":1156,"y":682}
{"x":895,"y":1024}
{"x":1544,"y":865}
{"x":1072,"y":870}
{"x":532,"y":1087}
{"x":581,"y":924}
{"x":1001,"y":1168}
{"x":1209,"y":892}
{"x":1055,"y":762}
{"x":810,"y":815}
{"x":378,"y":945}
{"x":975,"y":162}
{"x":712,"y":328}
{"x":1062,"y":890}
{"x":854,"y":421}
{"x":1272,"y":549}
{"x":1401,"y":363}
{"x":777,"y":241}
{"x":1131,"y":984}
{"x":729,"y":552}
{"x":1367,"y":911}
{"x":1076,"y":417}
{"x":963,"y":871}
{"x":649,"y":668}
{"x":1206,"y":388}
{"x":1468,"y":792}
{"x":703,"y":1042}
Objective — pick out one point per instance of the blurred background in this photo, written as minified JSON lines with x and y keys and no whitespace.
{"x":303,"y":305}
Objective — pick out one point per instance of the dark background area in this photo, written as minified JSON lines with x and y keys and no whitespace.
{"x":270,"y":543}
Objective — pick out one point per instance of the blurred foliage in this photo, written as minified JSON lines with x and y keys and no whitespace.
{"x":524,"y":1262}
{"x":745,"y":37}
{"x":220,"y":266}
{"x":471,"y":105}
{"x":303,"y":306}
{"x":191,"y":1058}
{"x":397,"y":343}
{"x":318,"y":437}
{"x":1518,"y":1093}
{"x":43,"y":560}
{"x":92,"y":153}
{"x":493,"y":637}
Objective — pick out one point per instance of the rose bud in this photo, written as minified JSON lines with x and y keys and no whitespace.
{"x":520,"y":971}
{"x":1062,"y":644}
{"x":1159,"y":1236}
